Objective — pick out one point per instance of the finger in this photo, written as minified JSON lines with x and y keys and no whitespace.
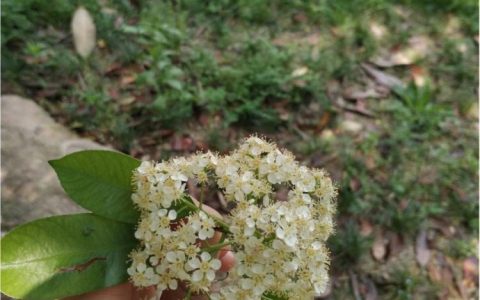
{"x":217,"y":236}
{"x":122,"y":291}
{"x":227,"y":259}
{"x":207,"y":209}
{"x":143,"y":293}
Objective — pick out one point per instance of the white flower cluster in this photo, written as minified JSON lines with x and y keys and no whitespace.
{"x":279,"y":245}
{"x":170,"y":243}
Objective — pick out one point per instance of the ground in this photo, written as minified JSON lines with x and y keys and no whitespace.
{"x":382,"y":94}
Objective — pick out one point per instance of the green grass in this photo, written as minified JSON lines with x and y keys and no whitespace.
{"x":219,"y":70}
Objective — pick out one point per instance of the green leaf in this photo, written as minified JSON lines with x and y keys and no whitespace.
{"x":272,"y":296}
{"x":65,"y":255}
{"x":100,"y":181}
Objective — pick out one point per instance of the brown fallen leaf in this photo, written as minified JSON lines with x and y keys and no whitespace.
{"x":395,"y":244}
{"x":379,"y":247}
{"x":457,"y":290}
{"x":366,"y":228}
{"x":443,"y":226}
{"x":127,"y":79}
{"x":383,"y":78}
{"x":126,"y":100}
{"x":416,"y":48}
{"x":421,"y":249}
{"x":434,"y":271}
{"x":419,"y":75}
{"x":439,"y":272}
{"x":378,"y":30}
{"x":470,"y":272}
{"x":323,"y":121}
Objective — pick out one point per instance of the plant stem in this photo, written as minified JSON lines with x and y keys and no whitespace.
{"x":217,"y":220}
{"x":215,"y":247}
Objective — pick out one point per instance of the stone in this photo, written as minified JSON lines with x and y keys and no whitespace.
{"x":30,"y":138}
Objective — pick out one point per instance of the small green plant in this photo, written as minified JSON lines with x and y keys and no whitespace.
{"x":349,"y":246}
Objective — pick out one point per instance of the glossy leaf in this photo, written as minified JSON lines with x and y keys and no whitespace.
{"x":99,"y":181}
{"x":65,"y":255}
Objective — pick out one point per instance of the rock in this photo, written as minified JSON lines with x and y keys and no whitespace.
{"x":30,"y":137}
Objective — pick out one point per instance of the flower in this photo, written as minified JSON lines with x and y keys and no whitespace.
{"x":203,"y":224}
{"x":204,"y":268}
{"x":278,"y":242}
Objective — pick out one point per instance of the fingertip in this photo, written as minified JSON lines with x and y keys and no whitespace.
{"x":228,"y":260}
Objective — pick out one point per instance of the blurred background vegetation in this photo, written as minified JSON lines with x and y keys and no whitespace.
{"x":381,"y":93}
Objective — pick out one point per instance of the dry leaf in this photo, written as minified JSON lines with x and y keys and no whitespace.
{"x":440,"y":272}
{"x":434,"y":271}
{"x":84,"y":33}
{"x":127,"y":79}
{"x":417,"y":48}
{"x":351,"y":126}
{"x":126,"y":100}
{"x":383,"y":78}
{"x":366,"y":227}
{"x":470,"y":272}
{"x":323,"y":121}
{"x":379,"y":249}
{"x":300,"y":72}
{"x":378,"y":30}
{"x":419,"y":75}
{"x":421,"y":249}
{"x":395,"y":244}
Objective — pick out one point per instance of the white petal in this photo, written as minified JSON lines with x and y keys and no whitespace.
{"x":141,"y":267}
{"x":194,"y":263}
{"x":173,"y":284}
{"x":246,"y":284}
{"x":131,"y":271}
{"x":171,"y":257}
{"x":210,"y":275}
{"x":291,"y":240}
{"x":197,"y":275}
{"x":205,"y":256}
{"x":280,"y":233}
{"x":258,"y":290}
{"x":257,"y":268}
{"x":172,"y":215}
{"x":215,"y":264}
